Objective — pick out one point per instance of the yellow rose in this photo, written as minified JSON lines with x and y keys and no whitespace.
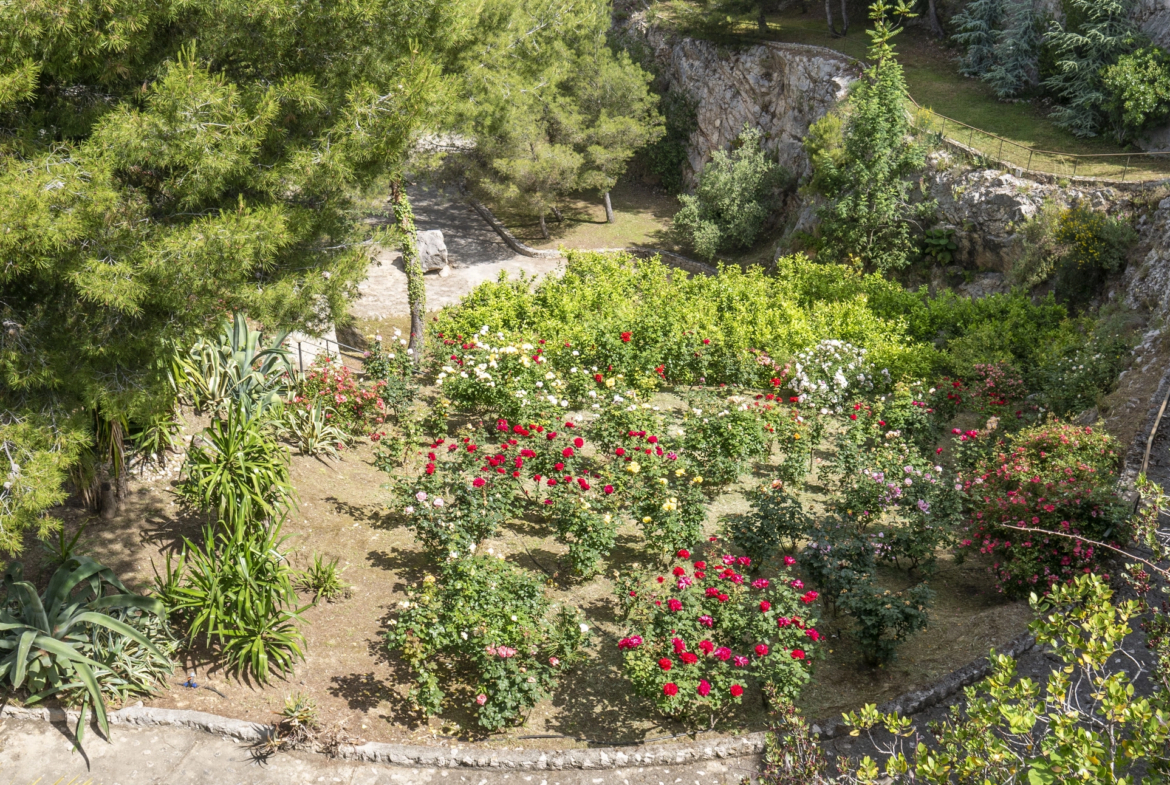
{"x":633,"y":468}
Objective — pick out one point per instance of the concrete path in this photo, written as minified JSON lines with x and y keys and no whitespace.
{"x":476,"y":253}
{"x":32,"y":752}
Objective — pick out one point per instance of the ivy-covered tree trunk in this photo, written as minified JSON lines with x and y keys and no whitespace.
{"x":608,"y":209}
{"x":416,"y":289}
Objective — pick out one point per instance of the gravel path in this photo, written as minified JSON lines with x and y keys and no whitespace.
{"x":476,"y":253}
{"x":32,"y":751}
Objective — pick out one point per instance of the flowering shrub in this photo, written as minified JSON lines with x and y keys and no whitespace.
{"x":665,"y":492}
{"x":490,"y":621}
{"x":459,"y":500}
{"x":393,"y":365}
{"x":513,"y":381}
{"x":1055,"y":477}
{"x":776,"y":515}
{"x":356,"y":407}
{"x":723,"y":434}
{"x":702,"y":634}
{"x":832,"y":373}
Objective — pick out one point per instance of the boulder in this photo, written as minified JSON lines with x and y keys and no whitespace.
{"x":432,"y":252}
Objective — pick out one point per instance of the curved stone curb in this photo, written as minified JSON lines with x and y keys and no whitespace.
{"x":486,"y":758}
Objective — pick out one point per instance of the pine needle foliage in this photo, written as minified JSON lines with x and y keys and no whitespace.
{"x":1104,"y":34}
{"x":977,"y":26}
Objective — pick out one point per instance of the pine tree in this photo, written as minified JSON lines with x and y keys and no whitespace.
{"x":977,"y":26}
{"x":1104,"y":34}
{"x":866,"y":218}
{"x":1016,"y":51}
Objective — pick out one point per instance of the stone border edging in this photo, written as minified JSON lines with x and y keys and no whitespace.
{"x":486,"y":758}
{"x":505,"y":235}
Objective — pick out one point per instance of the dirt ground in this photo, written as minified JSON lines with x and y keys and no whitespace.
{"x":341,"y":513}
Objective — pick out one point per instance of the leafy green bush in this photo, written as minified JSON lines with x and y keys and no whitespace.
{"x":1138,"y":86}
{"x":667,"y":156}
{"x":697,"y":638}
{"x":236,"y":471}
{"x":776,"y":517}
{"x":1014,"y":729}
{"x":489,"y":620}
{"x":883,"y":619}
{"x":78,"y":640}
{"x":322,"y":578}
{"x":733,"y":199}
{"x":235,"y":593}
{"x":393,"y":366}
{"x":1094,"y":246}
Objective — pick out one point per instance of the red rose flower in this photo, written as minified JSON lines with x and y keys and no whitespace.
{"x":736,"y":690}
{"x":706,"y":647}
{"x":765,"y":606}
{"x":704,"y":688}
{"x":670,"y":689}
{"x":761,"y":650}
{"x":479,"y":482}
{"x":665,"y":664}
{"x":797,"y":654}
{"x":608,"y":489}
{"x":626,"y":337}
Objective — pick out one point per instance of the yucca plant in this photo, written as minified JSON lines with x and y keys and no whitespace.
{"x":237,"y":471}
{"x":234,"y":369}
{"x":48,"y":640}
{"x":310,"y":431}
{"x":236,"y":592}
{"x":322,"y":578}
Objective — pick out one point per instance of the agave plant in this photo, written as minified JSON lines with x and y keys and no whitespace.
{"x":234,"y":369}
{"x":48,"y":640}
{"x":310,"y":431}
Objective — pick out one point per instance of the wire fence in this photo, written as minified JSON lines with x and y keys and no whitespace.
{"x":306,"y":351}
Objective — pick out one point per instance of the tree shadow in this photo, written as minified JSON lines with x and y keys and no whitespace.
{"x":372,"y":514}
{"x":409,"y":566}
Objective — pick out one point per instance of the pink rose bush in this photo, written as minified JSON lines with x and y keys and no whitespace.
{"x":489,"y":621}
{"x":694,"y":651}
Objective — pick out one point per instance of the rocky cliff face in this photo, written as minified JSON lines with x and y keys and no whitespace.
{"x":780,"y":88}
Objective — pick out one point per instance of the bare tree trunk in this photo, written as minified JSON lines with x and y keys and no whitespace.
{"x":762,"y":21}
{"x":844,"y":17}
{"x":829,"y":17}
{"x":932,"y":14}
{"x":416,"y":289}
{"x":608,"y":209}
{"x":543,"y":228}
{"x":556,"y":211}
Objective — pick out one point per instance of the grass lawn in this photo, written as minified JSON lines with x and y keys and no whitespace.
{"x":643,"y":217}
{"x":935,"y":83}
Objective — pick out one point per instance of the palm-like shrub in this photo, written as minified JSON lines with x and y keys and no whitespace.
{"x":68,"y":640}
{"x":236,"y":593}
{"x":237,"y":471}
{"x":310,"y":430}
{"x":234,"y":369}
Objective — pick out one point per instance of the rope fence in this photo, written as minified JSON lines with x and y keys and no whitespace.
{"x":1139,"y":167}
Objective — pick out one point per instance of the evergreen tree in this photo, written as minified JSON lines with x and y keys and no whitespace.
{"x":618,"y":116}
{"x":1016,"y":51}
{"x":977,"y":26}
{"x":164,"y":163}
{"x":1104,"y":34}
{"x":866,"y":218}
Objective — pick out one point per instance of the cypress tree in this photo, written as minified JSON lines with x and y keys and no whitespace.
{"x":1016,"y":51}
{"x":977,"y":33}
{"x":1104,"y":34}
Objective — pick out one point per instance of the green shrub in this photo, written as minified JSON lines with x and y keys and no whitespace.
{"x":80,"y":639}
{"x":667,"y":156}
{"x":235,"y":594}
{"x":734,"y":198}
{"x":488,"y":620}
{"x":310,"y":429}
{"x":393,"y":366}
{"x":1138,"y":86}
{"x":355,"y":406}
{"x":322,"y":578}
{"x":237,"y":472}
{"x":776,"y":517}
{"x":884,"y":619}
{"x":1094,"y":246}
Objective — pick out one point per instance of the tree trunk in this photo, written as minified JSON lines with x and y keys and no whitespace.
{"x":844,"y":17}
{"x":932,"y":14}
{"x":762,"y":21}
{"x":543,"y":228}
{"x":557,"y":213}
{"x":608,"y":209}
{"x":416,"y":289}
{"x":829,"y":17}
